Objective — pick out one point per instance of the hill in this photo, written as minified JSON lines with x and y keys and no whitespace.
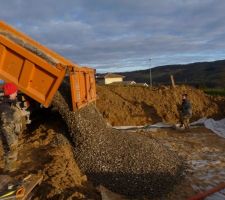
{"x":203,"y":74}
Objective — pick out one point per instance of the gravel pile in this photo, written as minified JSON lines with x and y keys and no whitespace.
{"x":128,"y":164}
{"x":29,"y":47}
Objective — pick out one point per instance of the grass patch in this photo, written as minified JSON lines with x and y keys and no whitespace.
{"x":215,"y":91}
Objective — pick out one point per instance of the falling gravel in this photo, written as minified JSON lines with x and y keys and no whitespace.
{"x":128,"y":164}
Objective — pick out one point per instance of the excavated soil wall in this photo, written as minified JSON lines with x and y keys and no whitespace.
{"x":136,"y":105}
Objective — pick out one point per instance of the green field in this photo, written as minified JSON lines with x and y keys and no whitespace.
{"x":215,"y":91}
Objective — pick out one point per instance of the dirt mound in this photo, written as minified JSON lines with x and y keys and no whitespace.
{"x":47,"y":151}
{"x":135,"y":105}
{"x":129,"y":164}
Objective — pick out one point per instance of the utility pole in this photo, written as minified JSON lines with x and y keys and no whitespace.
{"x":150,"y":73}
{"x":172,"y":81}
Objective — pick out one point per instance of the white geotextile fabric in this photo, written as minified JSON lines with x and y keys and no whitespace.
{"x":127,"y":127}
{"x":160,"y":125}
{"x":157,"y":125}
{"x":217,"y":127}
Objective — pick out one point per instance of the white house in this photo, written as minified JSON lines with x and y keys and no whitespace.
{"x":113,"y":78}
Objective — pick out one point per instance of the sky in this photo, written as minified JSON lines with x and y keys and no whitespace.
{"x":123,"y":35}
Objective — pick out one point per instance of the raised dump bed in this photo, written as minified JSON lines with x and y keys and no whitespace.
{"x":39,"y":71}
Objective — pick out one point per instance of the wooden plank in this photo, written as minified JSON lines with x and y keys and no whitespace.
{"x":29,"y":185}
{"x":23,"y":189}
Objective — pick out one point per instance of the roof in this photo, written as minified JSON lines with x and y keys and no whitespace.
{"x":111,"y":75}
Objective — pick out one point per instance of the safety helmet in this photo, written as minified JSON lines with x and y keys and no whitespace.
{"x":9,"y":88}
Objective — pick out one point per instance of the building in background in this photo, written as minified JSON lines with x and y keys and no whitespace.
{"x":109,"y":78}
{"x":113,"y":78}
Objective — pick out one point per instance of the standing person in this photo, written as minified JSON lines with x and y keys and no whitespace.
{"x":10,"y":124}
{"x":185,"y":112}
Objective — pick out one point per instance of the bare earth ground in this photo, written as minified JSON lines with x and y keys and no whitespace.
{"x":44,"y":148}
{"x":47,"y":151}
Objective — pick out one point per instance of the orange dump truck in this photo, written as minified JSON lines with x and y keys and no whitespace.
{"x":38,"y":71}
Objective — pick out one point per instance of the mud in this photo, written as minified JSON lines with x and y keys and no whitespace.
{"x":205,"y":155}
{"x":136,"y":105}
{"x":128,"y":164}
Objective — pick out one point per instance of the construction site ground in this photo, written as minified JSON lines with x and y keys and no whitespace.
{"x":202,"y":149}
{"x":46,"y":147}
{"x":204,"y":153}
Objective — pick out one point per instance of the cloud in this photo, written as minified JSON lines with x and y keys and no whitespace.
{"x":119,"y":35}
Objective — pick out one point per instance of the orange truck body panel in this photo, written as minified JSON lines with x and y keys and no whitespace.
{"x":38,"y":78}
{"x":83,"y":88}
